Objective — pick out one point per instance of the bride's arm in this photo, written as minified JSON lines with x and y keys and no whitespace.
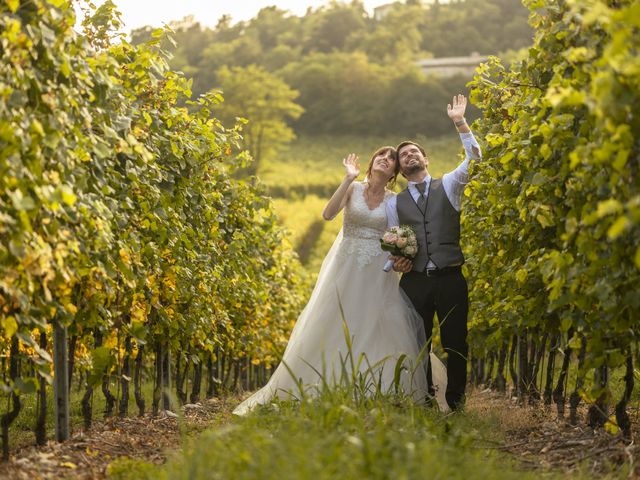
{"x":339,"y":199}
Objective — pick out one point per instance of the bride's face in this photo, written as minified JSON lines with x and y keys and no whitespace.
{"x":384,"y":162}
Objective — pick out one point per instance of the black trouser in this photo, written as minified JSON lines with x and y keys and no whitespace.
{"x":448,"y":296}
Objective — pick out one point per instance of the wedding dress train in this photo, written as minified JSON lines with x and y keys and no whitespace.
{"x":381,"y":324}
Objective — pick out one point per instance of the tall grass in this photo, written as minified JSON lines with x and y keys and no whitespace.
{"x":335,"y":437}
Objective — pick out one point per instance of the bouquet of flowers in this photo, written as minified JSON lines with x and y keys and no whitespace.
{"x":399,"y":241}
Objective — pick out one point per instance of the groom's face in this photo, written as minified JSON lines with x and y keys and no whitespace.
{"x":411,"y":159}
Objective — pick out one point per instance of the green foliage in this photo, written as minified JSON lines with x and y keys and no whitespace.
{"x":312,"y":164}
{"x":488,"y":27}
{"x":368,"y":98}
{"x":335,"y":437}
{"x":555,"y":203}
{"x":122,"y":468}
{"x":355,"y":73}
{"x":330,"y":28}
{"x":119,"y":212}
{"x":396,"y":38}
{"x":266,"y":101}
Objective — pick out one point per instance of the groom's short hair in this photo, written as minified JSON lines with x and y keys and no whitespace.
{"x":409,"y":142}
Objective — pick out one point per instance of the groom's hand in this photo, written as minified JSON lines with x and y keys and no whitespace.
{"x":401,"y":264}
{"x":457,"y":107}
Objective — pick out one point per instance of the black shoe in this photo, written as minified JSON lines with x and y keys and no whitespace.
{"x":458,"y":406}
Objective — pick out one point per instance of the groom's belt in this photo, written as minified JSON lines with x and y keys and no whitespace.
{"x":439,"y":272}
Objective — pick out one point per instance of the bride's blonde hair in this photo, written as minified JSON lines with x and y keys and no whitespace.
{"x":394,"y":154}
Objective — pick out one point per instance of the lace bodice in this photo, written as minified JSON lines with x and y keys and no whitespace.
{"x":362,"y":228}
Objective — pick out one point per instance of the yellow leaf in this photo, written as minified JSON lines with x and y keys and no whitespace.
{"x":545,"y":151}
{"x":521,"y":275}
{"x":495,"y":139}
{"x":608,"y":207}
{"x":10,"y":326}
{"x":68,"y":196}
{"x":65,"y":68}
{"x":544,"y":220}
{"x":621,"y":160}
{"x":13,"y":5}
{"x":506,"y":158}
{"x":612,"y":425}
{"x":619,"y":226}
{"x":71,"y":308}
{"x":124,"y":256}
{"x":36,"y":126}
{"x":69,"y":465}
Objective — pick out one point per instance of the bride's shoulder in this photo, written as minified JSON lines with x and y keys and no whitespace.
{"x":389,"y":194}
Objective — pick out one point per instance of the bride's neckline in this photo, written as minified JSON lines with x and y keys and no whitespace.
{"x":364,"y":198}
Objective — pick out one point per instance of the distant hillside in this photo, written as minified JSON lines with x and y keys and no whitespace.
{"x":356,"y":72}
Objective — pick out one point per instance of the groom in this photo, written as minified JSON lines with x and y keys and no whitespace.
{"x":433,"y":281}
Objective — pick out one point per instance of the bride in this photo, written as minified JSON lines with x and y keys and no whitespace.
{"x":353,"y":290}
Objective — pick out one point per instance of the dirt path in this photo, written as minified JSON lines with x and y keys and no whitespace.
{"x":532,"y":435}
{"x":538,"y":440}
{"x":87,"y":454}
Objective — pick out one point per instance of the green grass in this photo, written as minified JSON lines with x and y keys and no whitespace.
{"x":313,"y":165}
{"x":323,"y":244}
{"x":334,"y":437}
{"x":350,"y":430}
{"x":297,"y":215}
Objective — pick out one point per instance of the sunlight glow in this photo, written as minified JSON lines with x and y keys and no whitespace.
{"x":138,"y":13}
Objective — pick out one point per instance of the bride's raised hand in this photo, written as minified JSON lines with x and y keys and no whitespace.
{"x":352,"y":166}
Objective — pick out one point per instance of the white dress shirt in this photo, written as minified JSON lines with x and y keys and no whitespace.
{"x":453,"y":182}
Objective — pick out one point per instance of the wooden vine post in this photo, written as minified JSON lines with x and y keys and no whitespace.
{"x":61,"y":381}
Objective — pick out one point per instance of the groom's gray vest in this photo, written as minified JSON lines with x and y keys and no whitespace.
{"x":437,"y":228}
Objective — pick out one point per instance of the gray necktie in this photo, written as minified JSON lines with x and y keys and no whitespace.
{"x":422,"y":200}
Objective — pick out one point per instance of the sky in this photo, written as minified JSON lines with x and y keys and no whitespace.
{"x":138,"y":13}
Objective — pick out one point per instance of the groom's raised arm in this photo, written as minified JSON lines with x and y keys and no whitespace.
{"x":455,"y":181}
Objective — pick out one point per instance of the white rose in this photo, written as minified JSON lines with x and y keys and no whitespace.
{"x":410,"y":250}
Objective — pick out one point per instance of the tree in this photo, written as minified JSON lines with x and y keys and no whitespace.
{"x":394,"y":39}
{"x":275,"y":27}
{"x":266,"y":101}
{"x":330,"y":27}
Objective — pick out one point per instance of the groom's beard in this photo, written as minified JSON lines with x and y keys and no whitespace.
{"x":411,"y":169}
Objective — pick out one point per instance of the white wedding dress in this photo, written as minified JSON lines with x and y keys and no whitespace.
{"x":381,"y":324}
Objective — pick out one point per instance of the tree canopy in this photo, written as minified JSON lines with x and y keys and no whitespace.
{"x":355,"y":73}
